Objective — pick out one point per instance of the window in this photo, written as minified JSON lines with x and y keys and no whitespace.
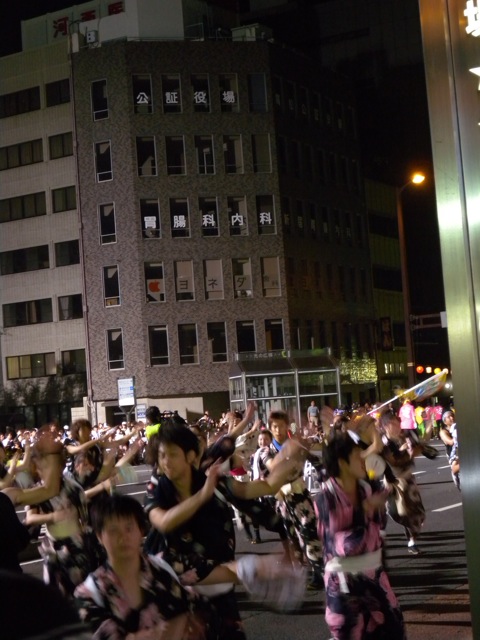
{"x":317,"y":277}
{"x":303,"y":102}
{"x":57,"y":92}
{"x":290,"y":97}
{"x":232,"y":154}
{"x":146,"y":161}
{"x":217,"y":341}
{"x":187,"y":343}
{"x":209,"y":213}
{"x":213,"y":274}
{"x":353,"y":284}
{"x":31,"y":366}
{"x":329,"y":275}
{"x":282,"y":157}
{"x":312,"y":208}
{"x":386,"y":278}
{"x":60,"y":145}
{"x":262,"y":161}
{"x":179,"y":218}
{"x":237,"y":215}
{"x":270,"y":277}
{"x":242,"y":277}
{"x":175,"y":151}
{"x":291,"y":272}
{"x":172,"y":99}
{"x":184,"y":286}
{"x":277,"y":93}
{"x":274,"y":335}
{"x":257,"y":92}
{"x":150,"y":218}
{"x":28,"y":206}
{"x":348,"y":226}
{"x":21,"y":155}
{"x":336,"y":226}
{"x":322,"y":334}
{"x":111,"y":286}
{"x":24,"y":101}
{"x":228,"y":92}
{"x":383,"y":226}
{"x":154,"y":282}
{"x":22,"y":260}
{"x":245,"y":336}
{"x":103,"y":161}
{"x":300,"y":220}
{"x":342,"y":285}
{"x":200,"y":92}
{"x":204,"y":153}
{"x":64,"y":199}
{"x":325,"y":224}
{"x":108,"y":229}
{"x":67,"y":253}
{"x":295,"y":158}
{"x":99,"y":99}
{"x":142,"y":93}
{"x":73,"y":361}
{"x":115,"y":349}
{"x":308,"y":162}
{"x":70,"y":307}
{"x":158,"y":343}
{"x":265,"y":215}
{"x":19,"y":314}
{"x":316,"y":106}
{"x":322,"y":173}
{"x":286,"y":216}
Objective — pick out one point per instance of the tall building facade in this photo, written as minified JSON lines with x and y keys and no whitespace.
{"x":218,"y":207}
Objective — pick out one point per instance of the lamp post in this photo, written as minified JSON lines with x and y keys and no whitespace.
{"x":416,"y":179}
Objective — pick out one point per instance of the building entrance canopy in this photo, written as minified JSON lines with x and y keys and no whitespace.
{"x":287,"y":380}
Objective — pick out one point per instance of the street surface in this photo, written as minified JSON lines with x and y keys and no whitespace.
{"x":432,"y":588}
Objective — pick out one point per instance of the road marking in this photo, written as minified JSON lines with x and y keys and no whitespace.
{"x":137,"y":493}
{"x":447,"y":466}
{"x":452,"y":506}
{"x":415,"y":473}
{"x":23,"y":564}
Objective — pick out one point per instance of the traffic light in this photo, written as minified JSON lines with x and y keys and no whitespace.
{"x":420,"y":369}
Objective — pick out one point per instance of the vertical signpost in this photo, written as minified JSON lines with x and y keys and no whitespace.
{"x":126,"y":396}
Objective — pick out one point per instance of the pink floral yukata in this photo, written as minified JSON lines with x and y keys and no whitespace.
{"x":360,"y":605}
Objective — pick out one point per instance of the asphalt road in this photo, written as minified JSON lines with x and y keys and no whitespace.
{"x":432,"y":587}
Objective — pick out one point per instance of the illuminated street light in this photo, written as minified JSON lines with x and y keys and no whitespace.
{"x":416,"y":179}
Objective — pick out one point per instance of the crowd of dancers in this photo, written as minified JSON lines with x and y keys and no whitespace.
{"x":167,"y":568}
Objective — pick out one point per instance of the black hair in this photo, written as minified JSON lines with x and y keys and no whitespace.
{"x":266,"y":432}
{"x":153,"y":415}
{"x":171,"y":432}
{"x":278,"y":415}
{"x":338,"y":447}
{"x":117,"y":506}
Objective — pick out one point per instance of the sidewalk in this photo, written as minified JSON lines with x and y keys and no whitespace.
{"x":443,"y":617}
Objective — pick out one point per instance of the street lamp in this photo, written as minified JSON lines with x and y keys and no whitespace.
{"x":416,"y":179}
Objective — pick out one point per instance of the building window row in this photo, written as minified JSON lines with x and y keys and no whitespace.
{"x":20,"y":155}
{"x":182,"y":280}
{"x":34,"y":204}
{"x":26,"y":100}
{"x":18,"y":314}
{"x":36,"y":258}
{"x":310,"y":106}
{"x":174,"y":95}
{"x":331,"y":225}
{"x":182,"y":220}
{"x":31,"y":152}
{"x":148,"y":163}
{"x":303,"y":161}
{"x":38,"y":365}
{"x":351,"y":340}
{"x":214,"y":337}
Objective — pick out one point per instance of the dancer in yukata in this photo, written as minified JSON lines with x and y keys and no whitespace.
{"x":360,"y":603}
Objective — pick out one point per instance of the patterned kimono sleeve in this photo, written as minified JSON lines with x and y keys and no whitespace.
{"x":150,"y":500}
{"x":96,"y":615}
